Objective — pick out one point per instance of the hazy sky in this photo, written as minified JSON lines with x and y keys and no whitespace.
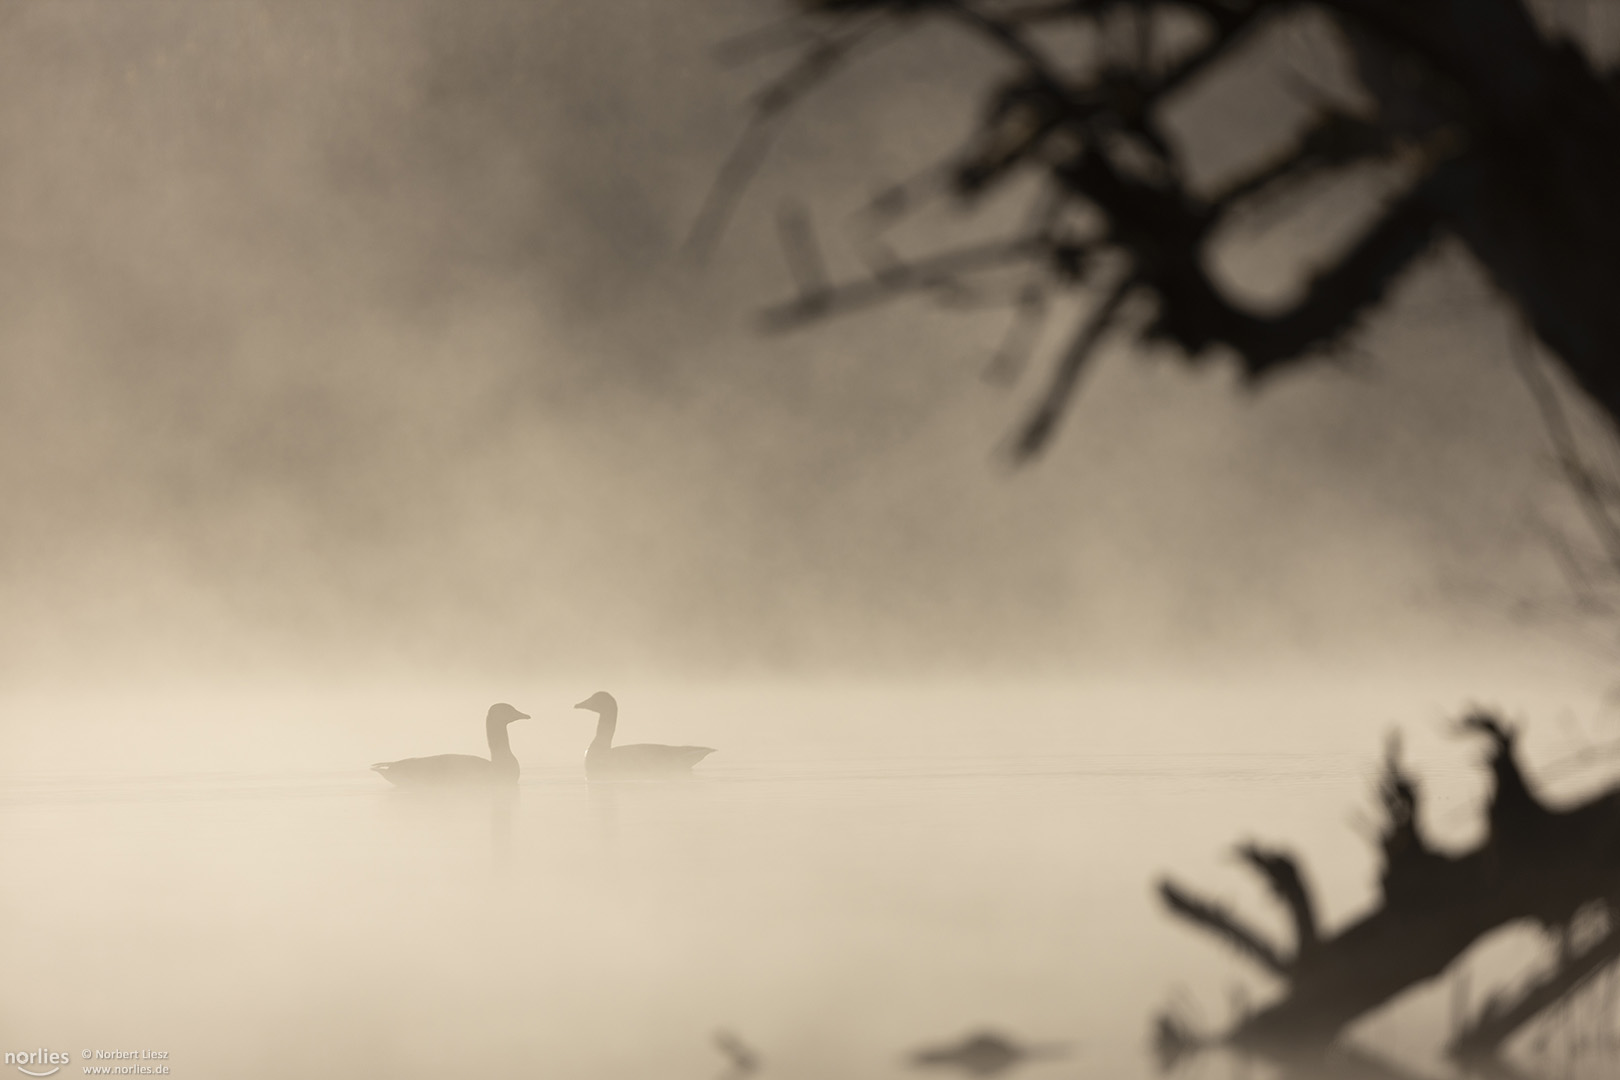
{"x":348,"y":335}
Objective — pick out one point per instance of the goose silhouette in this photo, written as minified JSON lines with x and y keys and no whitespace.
{"x":447,"y":770}
{"x":986,"y":1053}
{"x":605,"y":759}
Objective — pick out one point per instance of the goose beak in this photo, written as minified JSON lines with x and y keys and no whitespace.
{"x":584,"y":704}
{"x":522,"y":716}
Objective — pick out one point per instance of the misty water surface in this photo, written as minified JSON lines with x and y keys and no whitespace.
{"x":859,"y":871}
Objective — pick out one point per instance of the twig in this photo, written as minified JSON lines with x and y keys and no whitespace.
{"x":1215,"y":918}
{"x":763,"y":40}
{"x":1282,"y":874}
{"x":1037,"y":430}
{"x":771,"y":105}
{"x":800,"y":250}
{"x":1011,"y":357}
{"x":935,"y":272}
{"x":1566,"y":450}
{"x":1497,"y":1023}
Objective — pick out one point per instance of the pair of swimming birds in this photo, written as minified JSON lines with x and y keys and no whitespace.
{"x":602,"y":759}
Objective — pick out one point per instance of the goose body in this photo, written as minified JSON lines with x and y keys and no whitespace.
{"x":605,"y":759}
{"x":451,"y":770}
{"x":984,"y":1054}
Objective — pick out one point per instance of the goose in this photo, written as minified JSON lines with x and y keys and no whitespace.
{"x":983,"y":1054}
{"x":443,"y":770}
{"x":605,"y":759}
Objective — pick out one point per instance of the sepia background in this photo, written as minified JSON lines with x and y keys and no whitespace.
{"x":354,"y":374}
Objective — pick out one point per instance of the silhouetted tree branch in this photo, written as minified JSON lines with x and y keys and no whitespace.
{"x":1537,"y":863}
{"x":1282,"y":873}
{"x":1214,"y":917}
{"x":1501,"y":1018}
{"x":1593,"y":574}
{"x":1507,"y":139}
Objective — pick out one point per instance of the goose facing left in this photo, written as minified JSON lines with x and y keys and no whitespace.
{"x":443,"y":770}
{"x":605,"y":759}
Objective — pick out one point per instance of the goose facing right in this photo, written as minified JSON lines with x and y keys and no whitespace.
{"x":605,"y":759}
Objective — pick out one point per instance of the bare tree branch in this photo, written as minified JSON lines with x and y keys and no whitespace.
{"x":1215,"y":918}
{"x":1589,"y":494}
{"x":1479,"y":95}
{"x":1499,"y":1020}
{"x":1012,"y":355}
{"x":920,"y":275}
{"x":1037,"y":430}
{"x":799,"y":247}
{"x":771,"y":105}
{"x":1287,"y":883}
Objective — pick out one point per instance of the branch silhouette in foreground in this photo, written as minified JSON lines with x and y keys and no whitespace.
{"x":1538,"y":863}
{"x":1494,"y":128}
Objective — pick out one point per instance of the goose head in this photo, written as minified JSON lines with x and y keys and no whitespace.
{"x":599,"y":702}
{"x":504,"y":714}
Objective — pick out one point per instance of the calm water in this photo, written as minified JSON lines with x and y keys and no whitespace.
{"x":856,"y":874}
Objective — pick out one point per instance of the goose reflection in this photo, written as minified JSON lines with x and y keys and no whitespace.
{"x":743,"y":1060}
{"x":502,"y":805}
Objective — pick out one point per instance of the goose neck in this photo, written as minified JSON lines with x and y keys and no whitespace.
{"x":500,"y":743}
{"x":606,"y":721}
